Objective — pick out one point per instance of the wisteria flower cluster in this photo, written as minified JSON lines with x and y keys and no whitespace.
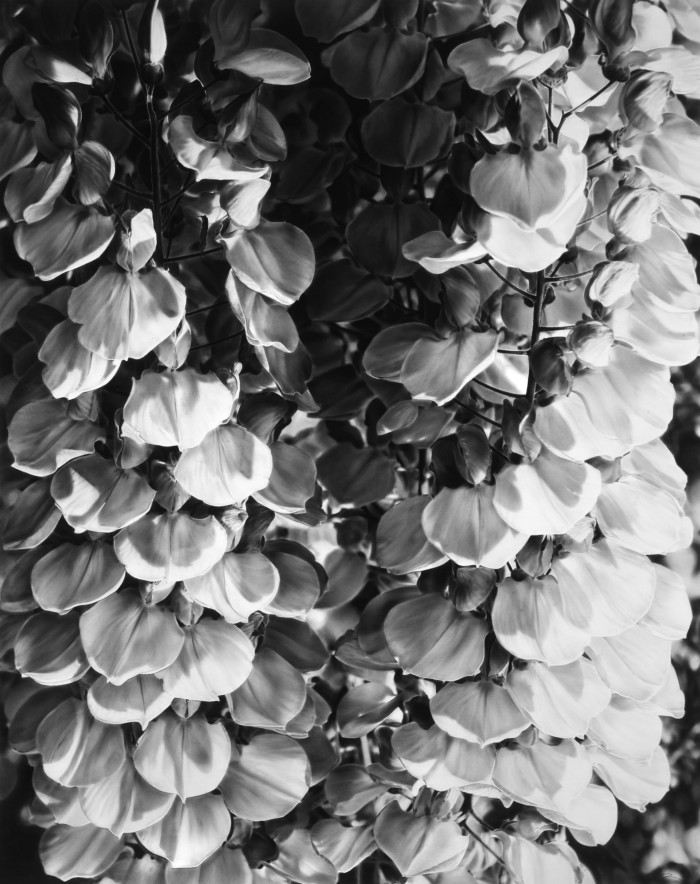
{"x":336,"y":341}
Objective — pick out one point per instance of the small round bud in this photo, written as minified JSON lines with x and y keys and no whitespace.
{"x":591,"y":342}
{"x":550,"y":366}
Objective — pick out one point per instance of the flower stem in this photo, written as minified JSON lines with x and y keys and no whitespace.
{"x":155,"y":173}
{"x":176,"y":258}
{"x":536,"y":329}
{"x":525,"y":294}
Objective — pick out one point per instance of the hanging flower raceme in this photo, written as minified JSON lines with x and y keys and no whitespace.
{"x":333,"y":394}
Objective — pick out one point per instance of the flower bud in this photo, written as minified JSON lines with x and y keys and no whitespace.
{"x":611,"y":283}
{"x":631,"y":213}
{"x":643,"y":99}
{"x":591,"y":342}
{"x":536,"y":19}
{"x":612,"y":21}
{"x":96,"y":37}
{"x":550,"y":367}
{"x":153,"y":42}
{"x":525,"y":115}
{"x":61,"y":112}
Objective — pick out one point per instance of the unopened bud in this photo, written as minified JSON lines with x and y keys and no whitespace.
{"x":153,"y":43}
{"x":591,"y":342}
{"x":537,"y":19}
{"x":550,"y":367}
{"x":631,"y":213}
{"x":643,"y":99}
{"x":96,"y":37}
{"x":612,"y":21}
{"x":525,"y":115}
{"x":611,"y":283}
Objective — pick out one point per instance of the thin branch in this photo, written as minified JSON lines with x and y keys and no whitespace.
{"x":555,"y":328}
{"x":180,"y":193}
{"x":525,"y":294}
{"x":477,"y":413}
{"x":155,"y":172}
{"x":204,"y":309}
{"x":486,"y":846}
{"x":540,"y":289}
{"x":513,"y":352}
{"x":119,"y":116}
{"x":141,"y":194}
{"x":176,"y":258}
{"x":132,"y":47}
{"x":219,"y":341}
{"x":600,"y":162}
{"x":495,"y":389}
{"x":570,"y":276}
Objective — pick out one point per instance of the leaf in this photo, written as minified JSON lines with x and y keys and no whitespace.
{"x":238,"y":585}
{"x":93,"y":494}
{"x":327,"y":19}
{"x":185,"y":756}
{"x":125,"y":315}
{"x":216,"y":658}
{"x":77,"y":750}
{"x":275,"y":259}
{"x":378,"y":63}
{"x":226,"y":466}
{"x":266,"y":778}
{"x":123,"y":637}
{"x":377,"y":234}
{"x":190,"y":832}
{"x":399,"y":133}
{"x":270,"y":57}
{"x":70,"y":576}
{"x":177,"y":408}
{"x":419,"y":844}
{"x":70,"y":237}
{"x":355,"y":475}
{"x":430,"y":638}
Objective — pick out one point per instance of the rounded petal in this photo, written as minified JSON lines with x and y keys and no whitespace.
{"x":184,"y":756}
{"x":227,"y":466}
{"x":430,"y":638}
{"x":216,"y":658}
{"x":70,"y":576}
{"x":266,"y":778}
{"x":238,"y":585}
{"x":139,"y":699}
{"x":529,"y":621}
{"x":72,"y":369}
{"x":402,"y":546}
{"x":559,"y":700}
{"x":76,"y":749}
{"x":419,"y":844}
{"x":177,"y":408}
{"x":68,"y":852}
{"x":124,"y":315}
{"x":94,"y":494}
{"x":48,"y":649}
{"x":170,"y":546}
{"x":464,"y":524}
{"x":480,"y":711}
{"x":124,"y":637}
{"x":440,"y":760}
{"x":545,"y":497}
{"x":634,"y":664}
{"x":190,"y":832}
{"x":634,"y":783}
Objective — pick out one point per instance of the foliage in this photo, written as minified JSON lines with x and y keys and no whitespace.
{"x":337,"y":341}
